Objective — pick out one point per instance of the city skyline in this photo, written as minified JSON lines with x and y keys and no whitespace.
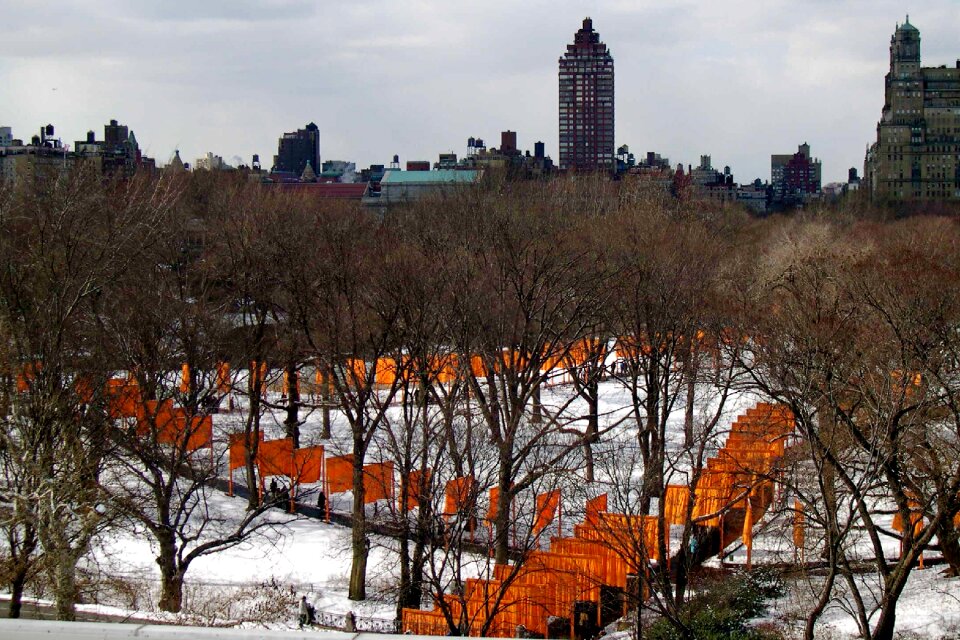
{"x":738,"y":82}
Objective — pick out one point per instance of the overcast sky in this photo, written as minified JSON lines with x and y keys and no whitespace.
{"x":738,"y":79}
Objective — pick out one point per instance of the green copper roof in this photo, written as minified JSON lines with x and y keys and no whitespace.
{"x":906,"y":26}
{"x":444,"y":176}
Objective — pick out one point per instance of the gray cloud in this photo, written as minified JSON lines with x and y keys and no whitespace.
{"x":737,"y":80}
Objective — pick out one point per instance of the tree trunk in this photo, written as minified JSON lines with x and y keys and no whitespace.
{"x":65,"y":587}
{"x":359,"y":541}
{"x":171,"y":598}
{"x":949,"y":545}
{"x":503,"y":519}
{"x":16,"y":592}
{"x":593,"y":426}
{"x":171,"y":577}
{"x":253,"y":441}
{"x":886,"y":623}
{"x":404,"y":598}
{"x":292,"y":421}
{"x":415,"y":593}
{"x":325,"y":397}
{"x":537,"y":416}
{"x":649,"y":446}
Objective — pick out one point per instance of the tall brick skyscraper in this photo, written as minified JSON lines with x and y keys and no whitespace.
{"x":586,"y":103}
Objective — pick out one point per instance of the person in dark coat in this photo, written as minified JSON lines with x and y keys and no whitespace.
{"x":322,"y":503}
{"x":304,"y":617}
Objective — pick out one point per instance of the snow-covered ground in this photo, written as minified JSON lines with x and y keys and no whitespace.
{"x":304,"y":556}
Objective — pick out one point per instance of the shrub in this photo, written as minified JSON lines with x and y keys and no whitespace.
{"x":722,"y":609}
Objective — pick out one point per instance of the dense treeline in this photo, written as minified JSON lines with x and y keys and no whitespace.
{"x":850,"y":322}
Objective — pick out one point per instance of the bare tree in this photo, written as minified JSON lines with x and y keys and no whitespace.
{"x":64,"y":239}
{"x":162,"y":312}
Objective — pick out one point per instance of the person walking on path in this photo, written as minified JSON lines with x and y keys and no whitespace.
{"x":304,"y":611}
{"x":351,"y":626}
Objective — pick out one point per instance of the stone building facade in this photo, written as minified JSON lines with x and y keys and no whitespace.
{"x":917,"y":152}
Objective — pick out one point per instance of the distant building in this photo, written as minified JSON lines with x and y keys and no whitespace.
{"x":705,"y":174}
{"x":795,"y":179}
{"x":297,"y":149}
{"x":211,"y":162}
{"x":586,"y":103}
{"x":917,"y":152}
{"x":44,"y":157}
{"x":508,"y":157}
{"x":176,"y":165}
{"x":508,"y":143}
{"x":117,"y":154}
{"x":853,"y":180}
{"x":6,"y":136}
{"x":325,"y":190}
{"x":338,"y":171}
{"x":398,"y":186}
{"x":448,"y":160}
{"x":753,"y":196}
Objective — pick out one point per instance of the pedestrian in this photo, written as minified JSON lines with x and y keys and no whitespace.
{"x":351,"y":624}
{"x":322,"y":504}
{"x":304,"y":611}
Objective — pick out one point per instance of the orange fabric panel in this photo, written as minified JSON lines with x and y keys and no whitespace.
{"x":26,"y":375}
{"x":201,"y":432}
{"x":308,"y":464}
{"x":378,"y":481}
{"x":172,"y":424}
{"x":123,"y":398}
{"x":84,"y":388}
{"x":595,"y":506}
{"x":385,"y":372}
{"x":798,"y":524}
{"x":237,"y":443}
{"x":676,"y":500}
{"x":547,"y":504}
{"x":340,"y":473}
{"x":748,"y":525}
{"x":418,"y":484}
{"x":160,"y":411}
{"x":457,"y":495}
{"x":185,"y":378}
{"x":916,"y":518}
{"x":258,"y":376}
{"x":275,"y":457}
{"x":494,"y":504}
{"x":478,"y":367}
{"x":355,"y":373}
{"x":286,"y":383}
{"x":165,"y":422}
{"x":444,"y":369}
{"x":424,"y":623}
{"x":223,"y":377}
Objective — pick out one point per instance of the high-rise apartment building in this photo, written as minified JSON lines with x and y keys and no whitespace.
{"x":794,"y":179}
{"x":297,"y":149}
{"x":917,"y":152}
{"x":586,"y":103}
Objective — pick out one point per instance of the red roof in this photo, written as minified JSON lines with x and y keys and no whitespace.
{"x":347,"y":191}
